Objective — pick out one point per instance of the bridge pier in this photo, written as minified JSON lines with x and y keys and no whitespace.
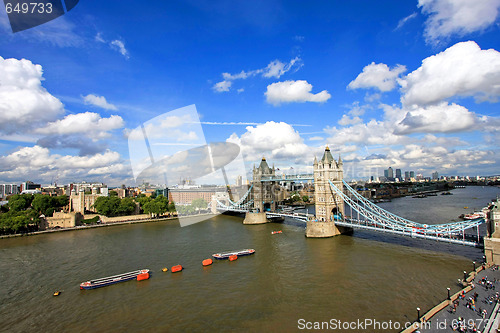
{"x":318,"y":229}
{"x":255,"y":218}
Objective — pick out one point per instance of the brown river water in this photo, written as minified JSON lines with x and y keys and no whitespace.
{"x":289,"y":283}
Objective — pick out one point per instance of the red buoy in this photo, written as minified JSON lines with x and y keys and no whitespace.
{"x":176,"y":268}
{"x":207,"y":262}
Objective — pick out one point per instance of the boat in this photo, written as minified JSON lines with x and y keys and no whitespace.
{"x":446,"y":193}
{"x":276,"y":232}
{"x":164,"y":269}
{"x":207,"y":262}
{"x":233,"y":257}
{"x":226,"y":255}
{"x":141,"y":274}
{"x":473,"y":216}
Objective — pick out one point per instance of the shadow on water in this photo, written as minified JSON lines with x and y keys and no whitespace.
{"x":474,"y":254}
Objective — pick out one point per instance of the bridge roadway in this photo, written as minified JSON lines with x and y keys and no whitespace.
{"x":364,"y":224}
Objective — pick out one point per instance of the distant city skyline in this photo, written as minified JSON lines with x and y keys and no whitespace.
{"x":404,"y":83}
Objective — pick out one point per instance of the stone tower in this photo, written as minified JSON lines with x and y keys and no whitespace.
{"x":328,"y":204}
{"x":263,"y":192}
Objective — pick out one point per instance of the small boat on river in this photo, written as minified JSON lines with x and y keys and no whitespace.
{"x":141,"y":274}
{"x":226,"y":255}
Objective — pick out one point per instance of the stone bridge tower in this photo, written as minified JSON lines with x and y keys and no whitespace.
{"x":328,"y":204}
{"x":263,"y":192}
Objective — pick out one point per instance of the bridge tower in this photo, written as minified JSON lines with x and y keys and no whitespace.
{"x":263,"y":195}
{"x":263,"y":192}
{"x":328,"y":204}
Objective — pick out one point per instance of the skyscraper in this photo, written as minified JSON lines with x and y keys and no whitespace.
{"x":398,"y":174}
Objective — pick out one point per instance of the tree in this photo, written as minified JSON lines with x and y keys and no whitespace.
{"x":126,"y":206}
{"x":305,"y":198}
{"x":199,"y":203}
{"x":107,"y":206}
{"x":19,"y":202}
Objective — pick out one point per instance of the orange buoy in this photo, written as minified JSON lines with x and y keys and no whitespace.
{"x":233,"y":257}
{"x":176,"y":268}
{"x":207,"y":262}
{"x":164,"y":269}
{"x":142,"y":276}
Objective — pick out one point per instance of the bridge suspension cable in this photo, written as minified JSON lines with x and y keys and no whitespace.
{"x":377,"y":218}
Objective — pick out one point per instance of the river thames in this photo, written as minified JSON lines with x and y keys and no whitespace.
{"x":345,"y":278}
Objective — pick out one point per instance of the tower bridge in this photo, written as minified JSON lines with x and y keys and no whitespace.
{"x":339,"y":207}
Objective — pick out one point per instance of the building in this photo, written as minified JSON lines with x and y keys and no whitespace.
{"x":327,"y":169}
{"x":61,"y":220}
{"x":239,"y":181}
{"x":435,"y":176}
{"x":263,"y":192}
{"x":26,"y":186}
{"x":8,"y":189}
{"x":398,"y":174}
{"x":186,"y":196}
{"x":412,"y":174}
{"x":407,"y":175}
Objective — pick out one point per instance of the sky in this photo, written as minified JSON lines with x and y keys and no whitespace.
{"x":413,"y":85}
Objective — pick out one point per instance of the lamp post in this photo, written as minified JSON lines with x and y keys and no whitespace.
{"x":448,"y":293}
{"x":418,"y":314}
{"x":474,"y":263}
{"x":465,"y":276}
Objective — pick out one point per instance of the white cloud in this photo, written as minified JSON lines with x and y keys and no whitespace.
{"x":440,"y":118}
{"x":222,"y":86}
{"x":24,"y":102}
{"x":37,"y":162}
{"x":378,"y":76}
{"x":294,"y":91}
{"x":99,"y":101}
{"x":120,"y":47}
{"x":346,"y":120}
{"x":461,"y":70}
{"x":273,"y":140}
{"x":89,"y":123}
{"x":457,"y":17}
{"x":404,"y":20}
{"x":275,"y":69}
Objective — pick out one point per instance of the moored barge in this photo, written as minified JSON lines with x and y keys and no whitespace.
{"x":141,"y":274}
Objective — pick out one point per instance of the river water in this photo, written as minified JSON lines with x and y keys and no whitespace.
{"x":365,"y":276}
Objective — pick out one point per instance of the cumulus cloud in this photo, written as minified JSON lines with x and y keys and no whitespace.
{"x":99,"y":101}
{"x":378,"y":76}
{"x":461,"y":70}
{"x":89,"y":123}
{"x":275,"y":68}
{"x":457,"y":17}
{"x":83,"y":144}
{"x":273,"y":140}
{"x":294,"y":91}
{"x":222,"y":86}
{"x":441,"y":118}
{"x":24,"y":101}
{"x":36,"y":161}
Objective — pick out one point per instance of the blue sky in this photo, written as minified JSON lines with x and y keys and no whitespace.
{"x":408,"y":84}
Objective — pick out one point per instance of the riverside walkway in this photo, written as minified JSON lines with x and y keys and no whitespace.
{"x":448,"y":320}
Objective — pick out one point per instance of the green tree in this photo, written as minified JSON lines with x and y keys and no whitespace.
{"x":305,"y":198}
{"x":107,"y":206}
{"x":19,"y":202}
{"x":126,"y":206}
{"x":199,"y":203}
